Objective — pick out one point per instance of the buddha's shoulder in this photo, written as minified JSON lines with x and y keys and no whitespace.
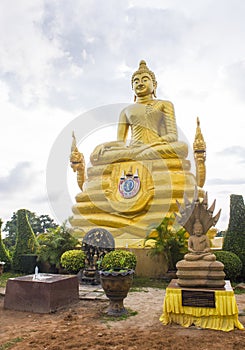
{"x":165,"y":103}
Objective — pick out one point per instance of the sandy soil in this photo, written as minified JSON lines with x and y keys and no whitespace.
{"x":83,"y":326}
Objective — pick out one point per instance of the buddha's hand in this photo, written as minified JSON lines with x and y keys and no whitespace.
{"x":164,"y":141}
{"x":207,"y":250}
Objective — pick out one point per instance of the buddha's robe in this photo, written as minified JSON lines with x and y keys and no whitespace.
{"x":153,"y":135}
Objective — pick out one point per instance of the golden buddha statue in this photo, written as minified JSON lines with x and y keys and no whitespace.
{"x":152,"y":123}
{"x":134,"y":183}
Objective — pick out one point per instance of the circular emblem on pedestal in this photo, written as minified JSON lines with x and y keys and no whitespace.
{"x":129,"y":186}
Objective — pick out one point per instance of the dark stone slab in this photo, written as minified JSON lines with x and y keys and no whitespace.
{"x":198,"y":298}
{"x":44,"y":294}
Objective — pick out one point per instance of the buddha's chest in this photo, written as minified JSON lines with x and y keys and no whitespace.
{"x":145,"y":116}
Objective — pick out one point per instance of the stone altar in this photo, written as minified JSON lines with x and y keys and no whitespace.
{"x":44,"y":293}
{"x":199,"y":267}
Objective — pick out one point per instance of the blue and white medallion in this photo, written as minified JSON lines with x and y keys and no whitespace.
{"x":129,"y":184}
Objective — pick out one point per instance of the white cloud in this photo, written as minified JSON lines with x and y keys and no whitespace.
{"x":59,"y":59}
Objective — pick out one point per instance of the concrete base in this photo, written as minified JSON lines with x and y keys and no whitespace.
{"x":44,"y":294}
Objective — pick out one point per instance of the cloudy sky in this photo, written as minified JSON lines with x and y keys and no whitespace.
{"x":62,"y":59}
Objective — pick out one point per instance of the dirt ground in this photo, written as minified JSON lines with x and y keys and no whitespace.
{"x":83,"y":326}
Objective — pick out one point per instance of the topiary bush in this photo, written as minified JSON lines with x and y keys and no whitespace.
{"x":119,"y":259}
{"x":4,"y":254}
{"x":73,"y":260}
{"x":26,"y":242}
{"x":234,"y":239}
{"x":232,"y":264}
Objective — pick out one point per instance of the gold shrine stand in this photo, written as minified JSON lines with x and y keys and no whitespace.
{"x":205,"y":308}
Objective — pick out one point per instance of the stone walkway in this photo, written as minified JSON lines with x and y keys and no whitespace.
{"x":89,"y":292}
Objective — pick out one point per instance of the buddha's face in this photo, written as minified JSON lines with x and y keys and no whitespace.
{"x":143,"y":84}
{"x":197,"y":229}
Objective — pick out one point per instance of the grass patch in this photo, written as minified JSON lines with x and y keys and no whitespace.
{"x":130,"y":313}
{"x":5,"y":276}
{"x":10,"y":343}
{"x":139,"y":283}
{"x":239,"y":291}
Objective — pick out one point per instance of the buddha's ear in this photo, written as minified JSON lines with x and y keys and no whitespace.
{"x":154,"y":90}
{"x":135,"y":98}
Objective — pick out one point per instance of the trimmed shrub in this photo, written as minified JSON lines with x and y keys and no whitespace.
{"x":28,"y":263}
{"x":119,"y":259}
{"x":232,"y":264}
{"x":26,"y":242}
{"x":234,"y":239}
{"x":73,"y":260}
{"x":4,"y":254}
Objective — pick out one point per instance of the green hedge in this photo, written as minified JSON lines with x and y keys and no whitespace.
{"x":73,"y":260}
{"x":4,"y":254}
{"x":234,"y":239}
{"x":26,"y":242}
{"x":232,"y":264}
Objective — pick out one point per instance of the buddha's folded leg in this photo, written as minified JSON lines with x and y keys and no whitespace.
{"x":173,"y":150}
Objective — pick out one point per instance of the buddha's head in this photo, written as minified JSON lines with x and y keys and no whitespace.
{"x":197,"y":228}
{"x":143,"y":76}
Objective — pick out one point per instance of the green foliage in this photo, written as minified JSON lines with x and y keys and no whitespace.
{"x":119,"y":259}
{"x":9,"y":344}
{"x":28,"y":263}
{"x":4,"y":254}
{"x":168,"y":240}
{"x":139,"y":283}
{"x":54,"y":243}
{"x":6,"y":275}
{"x":234,"y":240}
{"x":26,"y":242}
{"x":73,"y":260}
{"x":232,"y":264}
{"x":123,"y":317}
{"x":39,"y":224}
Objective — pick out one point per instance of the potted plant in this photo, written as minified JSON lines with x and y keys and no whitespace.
{"x":116,"y":276}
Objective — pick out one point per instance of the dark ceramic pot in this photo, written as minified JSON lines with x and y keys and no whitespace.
{"x":116,"y":286}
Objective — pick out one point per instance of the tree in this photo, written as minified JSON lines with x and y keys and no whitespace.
{"x":234,"y":240}
{"x":168,"y":240}
{"x":54,"y":243}
{"x":26,"y":241}
{"x":4,"y":254}
{"x":39,"y":224}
